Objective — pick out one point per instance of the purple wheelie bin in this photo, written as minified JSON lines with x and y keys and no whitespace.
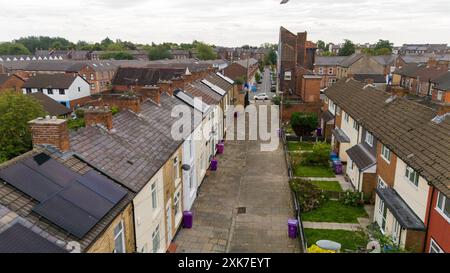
{"x":187,"y":219}
{"x":293,"y":228}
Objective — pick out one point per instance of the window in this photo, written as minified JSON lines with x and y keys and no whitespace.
{"x":79,"y":89}
{"x":62,"y":91}
{"x":28,"y":90}
{"x":386,"y":153}
{"x":355,"y":125}
{"x":434,"y":248}
{"x":346,"y":117}
{"x":320,"y":70}
{"x":412,"y":176}
{"x":381,"y":183}
{"x":50,"y":91}
{"x":443,"y":206}
{"x":369,"y":139}
{"x":332,"y":107}
{"x":84,"y":76}
{"x":156,"y":240}
{"x":176,"y":168}
{"x":287,"y":76}
{"x":395,"y":231}
{"x":92,"y":86}
{"x":40,"y":90}
{"x":440,"y":95}
{"x":382,"y":210}
{"x":154,"y":197}
{"x":92,"y":77}
{"x":176,"y":203}
{"x":350,"y":164}
{"x":330,"y":71}
{"x":119,"y":239}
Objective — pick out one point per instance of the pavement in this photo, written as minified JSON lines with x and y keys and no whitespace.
{"x":264,"y":87}
{"x":244,"y":206}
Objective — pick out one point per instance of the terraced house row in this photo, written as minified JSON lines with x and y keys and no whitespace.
{"x":122,"y":182}
{"x":397,"y":152}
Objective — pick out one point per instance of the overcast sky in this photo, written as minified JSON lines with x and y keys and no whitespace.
{"x":228,"y":22}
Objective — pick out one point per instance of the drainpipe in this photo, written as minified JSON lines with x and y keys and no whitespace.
{"x":428,"y":219}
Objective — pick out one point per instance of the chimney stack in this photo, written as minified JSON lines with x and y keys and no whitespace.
{"x":177,"y":83}
{"x":368,"y":81}
{"x":443,"y":109}
{"x":152,"y":92}
{"x":166,"y":86}
{"x":98,"y":115}
{"x":50,"y":131}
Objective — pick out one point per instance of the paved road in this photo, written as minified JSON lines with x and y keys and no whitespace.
{"x":265,"y":86}
{"x":249,"y":179}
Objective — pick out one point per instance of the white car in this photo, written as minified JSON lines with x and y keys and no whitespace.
{"x":262,"y":96}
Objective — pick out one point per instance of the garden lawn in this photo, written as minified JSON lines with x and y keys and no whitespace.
{"x":327,"y":185}
{"x":335,"y":212}
{"x":348,"y":239}
{"x":313,"y":171}
{"x":300,"y":146}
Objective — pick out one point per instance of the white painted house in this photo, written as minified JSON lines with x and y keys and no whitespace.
{"x":67,"y":89}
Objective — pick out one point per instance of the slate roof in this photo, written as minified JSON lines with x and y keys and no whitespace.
{"x":327,"y":116}
{"x":52,"y":107}
{"x":50,"y":81}
{"x":377,"y":78}
{"x":329,"y":60}
{"x":250,"y":62}
{"x":385,"y":59}
{"x":404,"y":126}
{"x":20,"y":205}
{"x":443,"y":81}
{"x":145,"y":76}
{"x":62,"y":66}
{"x":361,"y":157}
{"x":402,"y":212}
{"x":409,"y":70}
{"x":137,"y":147}
{"x":347,"y":62}
{"x":219,"y":81}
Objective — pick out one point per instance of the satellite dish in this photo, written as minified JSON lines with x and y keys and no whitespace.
{"x":374,"y":246}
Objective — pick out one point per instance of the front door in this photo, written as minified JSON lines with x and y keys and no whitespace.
{"x":169,"y":221}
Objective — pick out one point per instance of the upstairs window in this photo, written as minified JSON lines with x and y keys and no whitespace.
{"x":355,"y":125}
{"x":156,"y":240}
{"x":176,"y":168}
{"x":440,"y":95}
{"x":412,"y":176}
{"x":369,"y":139}
{"x":320,"y":70}
{"x":443,"y":206}
{"x":62,"y":91}
{"x":154,"y":196}
{"x":119,"y":238}
{"x":28,"y":90}
{"x":50,"y":91}
{"x":330,"y":71}
{"x":346,"y":117}
{"x":386,"y":153}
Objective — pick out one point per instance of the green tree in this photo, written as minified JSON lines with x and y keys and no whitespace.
{"x":15,"y":111}
{"x":158,"y":52}
{"x":205,"y":52}
{"x":57,"y":45}
{"x":115,"y":47}
{"x":304,"y":124}
{"x":347,"y":49}
{"x":106,"y":42}
{"x":271,"y":57}
{"x":121,"y":55}
{"x":44,"y":42}
{"x":13,"y":49}
{"x":383,"y":44}
{"x":328,"y":53}
{"x":321,"y":45}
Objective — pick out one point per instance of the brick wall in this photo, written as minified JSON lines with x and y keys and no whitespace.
{"x":438,"y":227}
{"x":49,"y":131}
{"x":386,"y":170}
{"x":369,"y":184}
{"x":13,"y":83}
{"x":122,"y":102}
{"x":415,"y":241}
{"x":105,"y":243}
{"x":101,"y":116}
{"x":300,"y":107}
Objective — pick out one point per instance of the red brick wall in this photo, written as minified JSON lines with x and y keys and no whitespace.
{"x":79,"y":102}
{"x":311,"y":90}
{"x":415,"y":241}
{"x":99,"y":116}
{"x":438,"y":228}
{"x":50,"y":132}
{"x":13,"y":83}
{"x":300,"y":107}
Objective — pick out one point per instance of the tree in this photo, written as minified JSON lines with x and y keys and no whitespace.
{"x":13,"y":49}
{"x":115,"y":47}
{"x":271,"y":57}
{"x":15,"y":111}
{"x":321,"y":45}
{"x":57,"y":45}
{"x":158,"y":52}
{"x":347,"y":49}
{"x":121,"y":55}
{"x":44,"y":42}
{"x":205,"y":52}
{"x":106,"y":42}
{"x":383,"y":44}
{"x":304,"y":124}
{"x":328,"y":53}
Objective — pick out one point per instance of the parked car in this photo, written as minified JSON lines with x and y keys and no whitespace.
{"x":262,"y":96}
{"x":273,"y":89}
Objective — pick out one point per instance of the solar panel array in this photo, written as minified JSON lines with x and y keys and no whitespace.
{"x":225,"y":78}
{"x":72,"y":201}
{"x":214,"y":87}
{"x":202,"y":107}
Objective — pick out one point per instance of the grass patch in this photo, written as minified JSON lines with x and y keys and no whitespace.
{"x":348,"y":239}
{"x":299,"y":146}
{"x":313,"y":171}
{"x":327,"y":185}
{"x":336,"y":212}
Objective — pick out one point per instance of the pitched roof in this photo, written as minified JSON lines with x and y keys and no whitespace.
{"x":329,"y":60}
{"x":362,"y":158}
{"x":410,"y":133}
{"x":137,"y":147}
{"x":145,"y":76}
{"x":377,"y":78}
{"x":409,"y":70}
{"x":50,"y":106}
{"x":443,"y":81}
{"x":351,"y":60}
{"x":63,"y":66}
{"x":250,"y":62}
{"x":50,"y":81}
{"x":21,"y":205}
{"x":385,"y":59}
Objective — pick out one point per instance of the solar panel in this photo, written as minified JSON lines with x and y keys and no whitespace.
{"x":225,"y":78}
{"x":53,"y":170}
{"x":66,"y":215}
{"x":102,"y":186}
{"x":29,"y":181}
{"x":19,"y":239}
{"x":41,"y":158}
